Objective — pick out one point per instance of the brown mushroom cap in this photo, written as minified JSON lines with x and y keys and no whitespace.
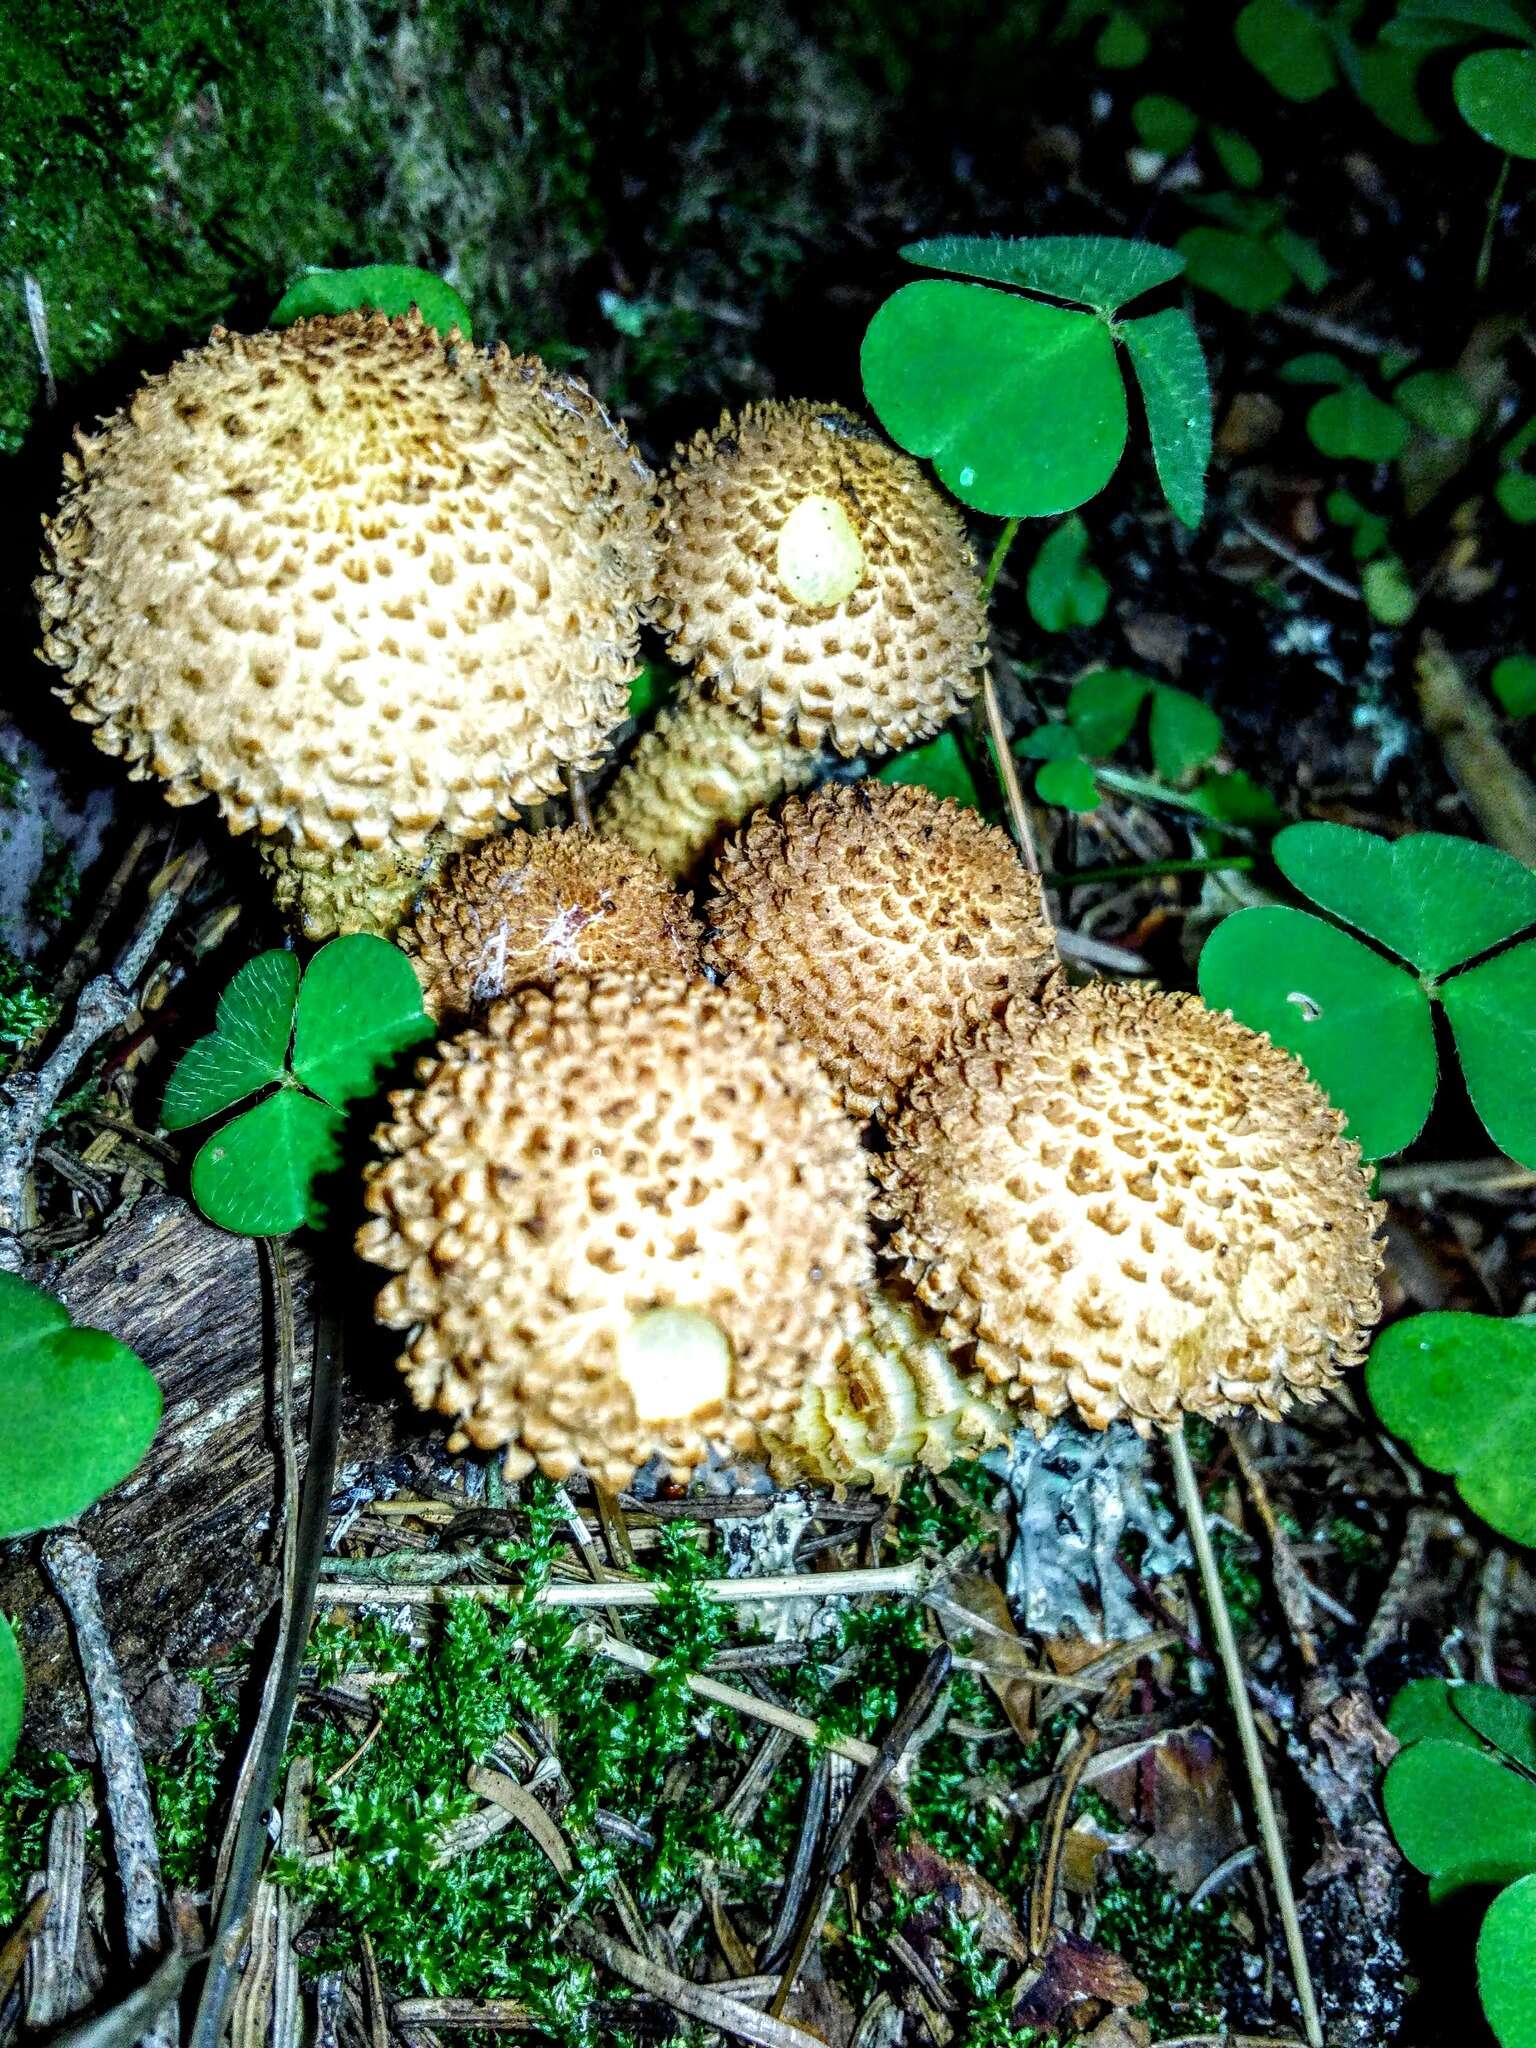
{"x":1136,"y":1206}
{"x":354,"y":579}
{"x":817,"y":580}
{"x":519,"y":911}
{"x":625,"y":1219}
{"x":698,"y":772}
{"x":353,"y":889}
{"x":893,"y":1402}
{"x":877,"y":922}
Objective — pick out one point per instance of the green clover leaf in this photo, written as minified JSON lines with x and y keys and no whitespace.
{"x":1020,"y":404}
{"x":323,"y":1042}
{"x":391,"y":288}
{"x":1247,"y":272}
{"x":1495,"y":94}
{"x":1064,"y":589}
{"x":1506,"y":1964}
{"x":938,"y":766}
{"x":1513,"y":682}
{"x":1288,"y":44}
{"x":12,"y":1690}
{"x":77,"y":1411}
{"x":1461,"y":1815}
{"x":1461,"y":1390}
{"x":1468,"y":1713}
{"x":1354,"y":424}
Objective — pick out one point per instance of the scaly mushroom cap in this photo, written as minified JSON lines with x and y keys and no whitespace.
{"x":354,"y":579}
{"x":697,"y":773}
{"x":817,"y":580}
{"x":517,"y":912}
{"x":1136,"y":1206}
{"x":877,"y":921}
{"x":626,"y":1219}
{"x":894,"y":1401}
{"x":354,"y":889}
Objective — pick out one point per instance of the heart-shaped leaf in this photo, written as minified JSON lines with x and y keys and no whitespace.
{"x":1435,"y":899}
{"x":359,"y":1007}
{"x":1169,"y":362}
{"x":1316,"y":366}
{"x":1020,"y":405}
{"x":938,"y":766}
{"x":12,"y":1690}
{"x":1506,"y":1965}
{"x":1436,"y":24}
{"x":1064,"y":589}
{"x":1460,"y":1815}
{"x":258,"y":1175}
{"x":1388,"y":591}
{"x":1495,"y":93}
{"x":1492,"y":1012}
{"x":1234,"y":799}
{"x":1057,"y":742}
{"x":77,"y":1411}
{"x":1237,"y":267}
{"x":1467,"y":1713}
{"x":1362,"y":1026}
{"x":1183,"y":733}
{"x":1165,"y":126}
{"x":1354,"y":424}
{"x":1461,"y":1392}
{"x":1102,"y":271}
{"x":1513,"y":682}
{"x":247,"y":1048}
{"x":1288,"y":44}
{"x":1440,"y":402}
{"x":1069,"y":783}
{"x":1103,"y":706}
{"x":391,"y":288}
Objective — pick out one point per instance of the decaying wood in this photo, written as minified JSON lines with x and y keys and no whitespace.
{"x":188,"y":1564}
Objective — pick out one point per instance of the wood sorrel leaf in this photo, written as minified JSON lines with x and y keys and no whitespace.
{"x":1288,"y":44}
{"x":374,"y":287}
{"x":938,"y":766}
{"x":1461,"y":1815}
{"x":1495,"y":94}
{"x":1064,"y":589}
{"x":1237,"y":267}
{"x":1467,"y":1713}
{"x":1102,"y":271}
{"x":359,"y":1006}
{"x":1020,"y":405}
{"x":1183,"y":733}
{"x":1506,"y":1965}
{"x":258,"y":1175}
{"x":246,"y":1049}
{"x":1103,"y":705}
{"x":12,"y":1687}
{"x":77,"y":1411}
{"x":1361,"y":1025}
{"x":1354,"y":424}
{"x":1175,"y":385}
{"x":1461,"y":1392}
{"x":1492,"y":1012}
{"x":1434,"y":898}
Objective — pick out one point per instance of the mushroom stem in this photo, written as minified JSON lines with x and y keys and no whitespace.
{"x":1247,"y":1730}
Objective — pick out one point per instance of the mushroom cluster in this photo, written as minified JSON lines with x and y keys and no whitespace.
{"x":626,"y":1220}
{"x":361,"y":583}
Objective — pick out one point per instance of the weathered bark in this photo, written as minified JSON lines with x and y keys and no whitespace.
{"x":188,"y":1543}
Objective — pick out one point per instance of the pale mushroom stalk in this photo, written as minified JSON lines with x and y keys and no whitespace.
{"x":824,"y":592}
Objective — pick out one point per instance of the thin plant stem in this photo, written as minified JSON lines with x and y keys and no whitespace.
{"x":1490,"y":228}
{"x":999,"y":556}
{"x":1212,"y":864}
{"x":1002,"y":754}
{"x":1193,"y":1509}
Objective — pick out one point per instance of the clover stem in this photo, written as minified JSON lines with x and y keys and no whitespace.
{"x":1247,"y":1730}
{"x":999,"y":555}
{"x":1211,"y":864}
{"x":1485,"y":253}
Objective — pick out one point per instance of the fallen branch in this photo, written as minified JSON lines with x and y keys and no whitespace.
{"x":697,"y":2001}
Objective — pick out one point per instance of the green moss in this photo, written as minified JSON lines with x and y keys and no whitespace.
{"x":185,"y":1781}
{"x":1182,"y":1953}
{"x":56,"y":886}
{"x":26,"y":1007}
{"x":32,"y":1787}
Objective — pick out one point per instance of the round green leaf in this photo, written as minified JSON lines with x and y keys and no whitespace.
{"x":1163,"y":124}
{"x":1513,"y":682}
{"x":1058,"y":742}
{"x":257,"y":1176}
{"x":654,"y":685}
{"x":1354,"y":424}
{"x":77,"y":1411}
{"x":12,"y":1692}
{"x":1234,"y":799}
{"x":1238,"y":158}
{"x":1389,"y":596}
{"x":1387,"y":80}
{"x":1239,"y":268}
{"x":1440,"y":402}
{"x":359,"y":1007}
{"x":1461,"y":1391}
{"x":1064,"y":589}
{"x":1184,"y":733}
{"x":1506,"y":1965}
{"x":1495,"y":92}
{"x":1314,"y":366}
{"x":1362,"y":1026}
{"x":1288,"y":45}
{"x":1021,"y":405}
{"x":938,"y":766}
{"x":1434,"y":898}
{"x":246,"y":1049}
{"x":1460,"y":1815}
{"x":1069,"y":783}
{"x":1465,"y":1712}
{"x":1102,"y":271}
{"x":1169,"y":362}
{"x":1492,"y":1012}
{"x":1123,"y":43}
{"x":391,"y":288}
{"x":1515,"y":494}
{"x":1103,"y":705}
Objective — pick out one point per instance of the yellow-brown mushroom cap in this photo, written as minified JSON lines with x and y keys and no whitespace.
{"x":625,"y":1219}
{"x":818,"y":580}
{"x":354,"y":579}
{"x":877,"y":922}
{"x":1132,"y":1205}
{"x":522,"y":910}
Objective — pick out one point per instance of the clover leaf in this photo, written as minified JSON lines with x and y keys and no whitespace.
{"x":938,"y":766}
{"x":1513,"y":682}
{"x":392,"y":288}
{"x":12,"y":1690}
{"x":1506,"y":1964}
{"x":1064,"y":589}
{"x":1287,"y":43}
{"x":1020,"y":404}
{"x":1242,"y":268}
{"x":1461,"y":1391}
{"x":77,"y":1411}
{"x":1102,"y":709}
{"x":1495,"y":94}
{"x":1362,"y":1023}
{"x":1465,"y":1712}
{"x":1353,"y":423}
{"x":321,"y":1043}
